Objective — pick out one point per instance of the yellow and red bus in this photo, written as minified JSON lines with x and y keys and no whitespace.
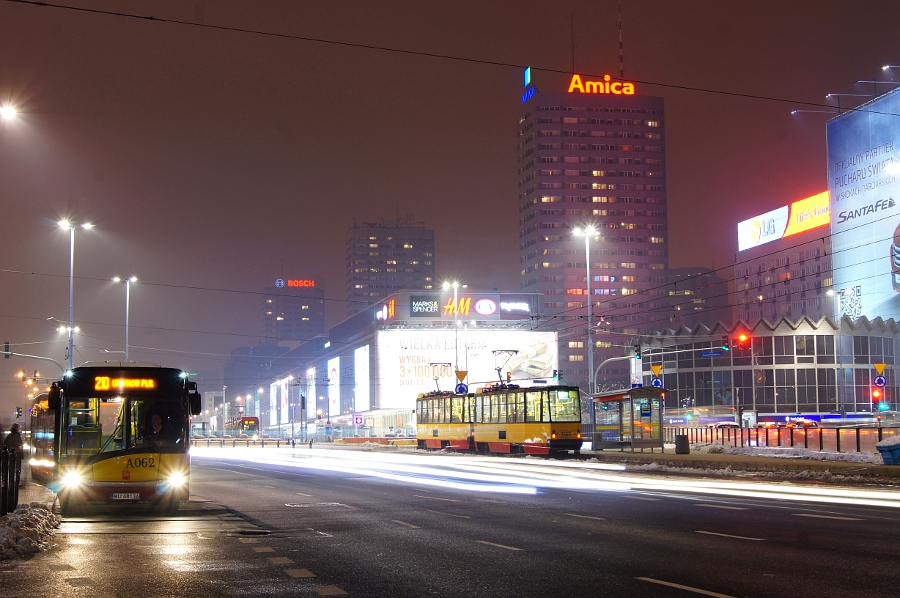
{"x":116,"y":432}
{"x":501,"y":418}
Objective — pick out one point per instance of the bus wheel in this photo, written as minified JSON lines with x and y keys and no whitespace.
{"x":69,"y":507}
{"x":167,"y":507}
{"x":421,"y":445}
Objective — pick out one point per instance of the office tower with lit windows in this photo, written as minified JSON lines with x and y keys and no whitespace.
{"x":293,"y":310}
{"x":593,"y":154}
{"x":385,"y":257}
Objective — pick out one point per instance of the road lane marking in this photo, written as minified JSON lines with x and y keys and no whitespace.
{"x":722,"y":507}
{"x":301,"y":494}
{"x":272,"y":487}
{"x":496,"y":502}
{"x":437,"y":498}
{"x":406,"y":524}
{"x":498,"y":545}
{"x":248,"y":540}
{"x":688,"y":588}
{"x":641,"y":498}
{"x":584,"y":516}
{"x":730,"y":536}
{"x":340,"y":504}
{"x":449,"y":514}
{"x":827,"y":517}
{"x":263,"y":549}
{"x":299,"y":573}
{"x":280,"y":560}
{"x":329,"y":591}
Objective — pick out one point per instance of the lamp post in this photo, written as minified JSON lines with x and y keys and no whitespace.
{"x":588,"y":232}
{"x":455,"y":286}
{"x":128,"y":282}
{"x":66,"y":225}
{"x":851,"y":95}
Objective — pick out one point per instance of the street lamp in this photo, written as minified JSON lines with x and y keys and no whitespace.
{"x":588,"y":232}
{"x":851,"y":95}
{"x":8,"y":112}
{"x":455,"y":286}
{"x":66,"y":225}
{"x":128,"y":282}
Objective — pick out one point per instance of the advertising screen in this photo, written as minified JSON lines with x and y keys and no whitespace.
{"x":408,"y":361}
{"x":273,"y":406}
{"x":361,"y":375}
{"x":334,"y":387}
{"x":863,"y":163}
{"x":762,"y":229}
{"x":284,"y":412}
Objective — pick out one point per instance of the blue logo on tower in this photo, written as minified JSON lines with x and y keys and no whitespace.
{"x":529,"y":86}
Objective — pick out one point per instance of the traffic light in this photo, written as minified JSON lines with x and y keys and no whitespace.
{"x":556,"y":374}
{"x":877,"y":397}
{"x":637,"y":352}
{"x":742,"y":341}
{"x":726,"y":346}
{"x":18,"y":412}
{"x":6,"y":349}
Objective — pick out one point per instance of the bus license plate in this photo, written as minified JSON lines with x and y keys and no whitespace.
{"x":126,"y":496}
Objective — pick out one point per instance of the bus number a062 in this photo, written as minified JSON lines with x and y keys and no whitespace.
{"x":139,"y":462}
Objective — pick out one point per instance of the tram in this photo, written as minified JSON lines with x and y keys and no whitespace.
{"x":116,"y":432}
{"x":243,"y":426}
{"x":501,"y":418}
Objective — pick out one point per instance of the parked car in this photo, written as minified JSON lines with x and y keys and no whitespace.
{"x":727,"y":425}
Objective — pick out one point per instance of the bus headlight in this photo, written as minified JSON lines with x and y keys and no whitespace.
{"x":72,"y":479}
{"x":176,"y":480}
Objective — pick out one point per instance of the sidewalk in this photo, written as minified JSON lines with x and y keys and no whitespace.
{"x":34,"y":492}
{"x":700,"y":460}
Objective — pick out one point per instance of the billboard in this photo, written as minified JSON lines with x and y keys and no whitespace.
{"x":334,"y":387}
{"x":408,"y":361}
{"x":361,"y":378}
{"x":802,"y":215}
{"x":865,"y":220}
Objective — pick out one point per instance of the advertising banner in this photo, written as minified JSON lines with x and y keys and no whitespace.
{"x":273,"y":407}
{"x":863,"y":163}
{"x":361,"y":374}
{"x":284,"y":412}
{"x":334,"y":387}
{"x":409,"y":362}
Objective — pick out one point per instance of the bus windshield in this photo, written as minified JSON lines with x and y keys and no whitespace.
{"x":95,"y":425}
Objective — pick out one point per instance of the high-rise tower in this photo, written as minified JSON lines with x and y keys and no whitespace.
{"x":593,"y":155}
{"x":385,"y":257}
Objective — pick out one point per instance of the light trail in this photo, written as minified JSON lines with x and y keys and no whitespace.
{"x":528,"y":476}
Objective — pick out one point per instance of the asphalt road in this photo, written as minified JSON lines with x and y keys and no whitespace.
{"x":328,"y":522}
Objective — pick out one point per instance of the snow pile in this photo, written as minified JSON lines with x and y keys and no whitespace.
{"x":784,"y":452}
{"x":825,"y":476}
{"x":892,"y":441}
{"x":24,"y":531}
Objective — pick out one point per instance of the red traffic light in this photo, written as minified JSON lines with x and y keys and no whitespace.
{"x":876,"y":394}
{"x":743,"y":338}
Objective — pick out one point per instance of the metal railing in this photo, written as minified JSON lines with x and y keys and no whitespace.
{"x":10,"y":473}
{"x":842,"y":439}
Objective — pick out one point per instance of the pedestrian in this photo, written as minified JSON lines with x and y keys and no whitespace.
{"x":14,"y":442}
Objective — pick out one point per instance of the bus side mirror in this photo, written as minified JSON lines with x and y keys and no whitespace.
{"x":54,"y":398}
{"x":195,"y":404}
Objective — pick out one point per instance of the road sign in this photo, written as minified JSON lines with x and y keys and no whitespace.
{"x":637,"y":385}
{"x":191,"y":373}
{"x":879,"y":381}
{"x":656,"y":369}
{"x":461,"y":389}
{"x":357,"y":420}
{"x":717,"y":353}
{"x":879,"y":367}
{"x":461,"y":374}
{"x":656,"y":382}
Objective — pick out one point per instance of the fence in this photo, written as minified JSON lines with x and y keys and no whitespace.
{"x":861,"y":440}
{"x":10,"y":471}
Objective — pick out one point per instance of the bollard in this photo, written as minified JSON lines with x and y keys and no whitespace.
{"x":857,"y":440}
{"x":821,"y":440}
{"x":310,"y":444}
{"x":682,"y":446}
{"x":838,"y":433}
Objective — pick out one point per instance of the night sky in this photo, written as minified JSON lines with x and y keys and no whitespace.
{"x":215,"y":161}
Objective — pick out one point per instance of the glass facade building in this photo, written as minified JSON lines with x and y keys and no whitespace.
{"x":806,"y":366}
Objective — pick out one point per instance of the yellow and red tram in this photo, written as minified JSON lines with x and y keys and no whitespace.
{"x":501,"y":418}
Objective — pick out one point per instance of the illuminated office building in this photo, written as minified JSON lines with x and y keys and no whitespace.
{"x":593,"y":153}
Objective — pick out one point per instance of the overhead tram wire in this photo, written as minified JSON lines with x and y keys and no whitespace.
{"x":419,"y":53}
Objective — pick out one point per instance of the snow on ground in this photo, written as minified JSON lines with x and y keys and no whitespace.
{"x":25,"y":531}
{"x":788,"y":453}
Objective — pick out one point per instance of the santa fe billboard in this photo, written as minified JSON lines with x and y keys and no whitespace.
{"x":863,"y":163}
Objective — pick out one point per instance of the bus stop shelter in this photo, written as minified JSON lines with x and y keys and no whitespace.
{"x":628,"y":419}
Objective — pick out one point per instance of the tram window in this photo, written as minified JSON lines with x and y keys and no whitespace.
{"x":564,"y":406}
{"x":456,"y":406}
{"x":470,"y":408}
{"x":446,"y":403}
{"x":479,"y":409}
{"x":517,"y":409}
{"x":502,"y":411}
{"x":533,"y":406}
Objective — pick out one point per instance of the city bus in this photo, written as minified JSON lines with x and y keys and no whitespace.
{"x":116,"y":432}
{"x":501,"y":418}
{"x":243,"y":426}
